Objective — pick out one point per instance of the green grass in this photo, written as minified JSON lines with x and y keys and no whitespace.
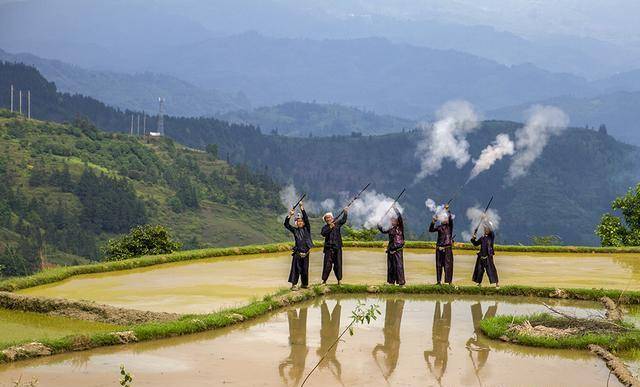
{"x":498,"y":326}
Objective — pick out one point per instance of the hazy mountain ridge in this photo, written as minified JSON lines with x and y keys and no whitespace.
{"x":134,"y":91}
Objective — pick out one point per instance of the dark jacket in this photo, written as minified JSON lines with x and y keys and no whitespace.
{"x":333,"y":236}
{"x":302,"y":236}
{"x":445,"y":232}
{"x":396,"y":233}
{"x":486,"y":244}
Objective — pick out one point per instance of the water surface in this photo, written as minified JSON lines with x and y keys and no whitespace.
{"x":419,"y":340}
{"x":206,"y":285}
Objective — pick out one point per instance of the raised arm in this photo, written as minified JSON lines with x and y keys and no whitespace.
{"x":432,"y":226}
{"x":343,"y":219}
{"x":288,"y":225}
{"x":399,"y":217}
{"x":305,"y":218}
{"x":475,"y":241}
{"x":382,"y":230}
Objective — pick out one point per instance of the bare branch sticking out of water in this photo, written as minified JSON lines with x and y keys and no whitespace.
{"x":359,"y":315}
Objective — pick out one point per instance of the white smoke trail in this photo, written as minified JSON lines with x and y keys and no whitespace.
{"x":502,"y":146}
{"x":370,"y":209}
{"x":543,"y":122}
{"x":474,"y":214}
{"x":446,"y":139}
{"x":289,"y":195}
{"x":438,"y":210}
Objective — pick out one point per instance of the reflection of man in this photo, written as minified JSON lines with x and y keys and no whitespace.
{"x":440,"y":339}
{"x":474,"y":343}
{"x":329,"y":332}
{"x":292,"y":368}
{"x":391,"y":331}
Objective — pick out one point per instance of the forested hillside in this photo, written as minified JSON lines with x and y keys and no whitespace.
{"x":65,"y":188}
{"x":315,"y":119}
{"x":566,"y":191}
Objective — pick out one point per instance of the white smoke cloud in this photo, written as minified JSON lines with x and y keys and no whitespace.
{"x":438,"y":210}
{"x":446,"y":138}
{"x":502,"y":146}
{"x":370,"y":210}
{"x":474,"y":214}
{"x":289,"y":196}
{"x":543,"y":122}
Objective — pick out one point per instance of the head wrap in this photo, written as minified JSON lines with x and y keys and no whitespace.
{"x":327,"y":214}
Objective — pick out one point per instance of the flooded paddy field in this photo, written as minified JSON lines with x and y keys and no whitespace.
{"x":418,"y":340}
{"x":17,"y":326}
{"x":202,"y":286}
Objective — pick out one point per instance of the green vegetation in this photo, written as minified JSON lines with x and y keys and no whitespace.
{"x":190,"y":324}
{"x":67,"y":188}
{"x":142,"y":240}
{"x":626,"y":337}
{"x":622,"y":231}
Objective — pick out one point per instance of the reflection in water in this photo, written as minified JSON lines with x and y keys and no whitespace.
{"x":391,"y":331}
{"x":329,"y":332}
{"x":440,"y":341}
{"x":474,"y":344}
{"x":292,"y":368}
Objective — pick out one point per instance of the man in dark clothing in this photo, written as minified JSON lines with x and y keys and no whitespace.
{"x":444,"y":246}
{"x":331,"y":232}
{"x":484,"y":261}
{"x":301,"y":249}
{"x":395,"y":261}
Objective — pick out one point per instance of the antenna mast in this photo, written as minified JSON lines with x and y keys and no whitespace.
{"x":12,"y":98}
{"x":161,"y":116}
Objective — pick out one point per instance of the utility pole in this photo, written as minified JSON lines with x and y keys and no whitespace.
{"x":12,"y":98}
{"x":138,"y":129}
{"x":29,"y":104}
{"x":161,"y":116}
{"x":144,"y":124}
{"x":131,"y":131}
{"x":20,"y":102}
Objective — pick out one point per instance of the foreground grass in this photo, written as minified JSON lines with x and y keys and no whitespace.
{"x":498,"y":327}
{"x":61,"y":273}
{"x":190,"y":324}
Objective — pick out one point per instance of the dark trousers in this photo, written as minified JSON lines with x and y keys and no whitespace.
{"x":395,"y":268}
{"x":444,"y":261}
{"x":482,"y":265}
{"x":299,"y":268}
{"x":332,"y":259}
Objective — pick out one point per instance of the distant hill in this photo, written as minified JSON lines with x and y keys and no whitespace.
{"x":74,"y":186}
{"x":565,"y":193}
{"x":619,"y":111}
{"x":303,"y":119}
{"x":134,"y":91}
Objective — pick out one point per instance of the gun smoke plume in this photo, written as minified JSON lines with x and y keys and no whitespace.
{"x":365,"y":212}
{"x":502,"y":146}
{"x":446,"y":138}
{"x":370,"y":209}
{"x":438,"y":210}
{"x":474,"y":214}
{"x":543,"y":122}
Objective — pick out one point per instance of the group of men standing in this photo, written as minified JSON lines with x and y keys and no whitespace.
{"x":332,"y":233}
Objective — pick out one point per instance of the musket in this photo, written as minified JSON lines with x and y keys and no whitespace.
{"x":394,"y":203}
{"x":353,"y":200}
{"x":299,"y":200}
{"x":481,"y":219}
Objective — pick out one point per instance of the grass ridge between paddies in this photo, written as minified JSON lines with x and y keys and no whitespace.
{"x":189,"y":324}
{"x":57,"y":274}
{"x":619,"y":337}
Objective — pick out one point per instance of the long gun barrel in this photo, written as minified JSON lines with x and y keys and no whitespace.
{"x":394,"y":203}
{"x":299,"y":200}
{"x":353,"y":200}
{"x":485,"y":211}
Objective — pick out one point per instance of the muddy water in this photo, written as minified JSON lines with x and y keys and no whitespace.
{"x":206,"y":285}
{"x":425,"y":340}
{"x":18,"y":326}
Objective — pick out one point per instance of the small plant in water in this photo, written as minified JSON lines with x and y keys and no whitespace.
{"x":361,"y":314}
{"x":32,"y":383}
{"x":125,"y":377}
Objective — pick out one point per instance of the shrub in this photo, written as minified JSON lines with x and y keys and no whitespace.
{"x":142,"y":240}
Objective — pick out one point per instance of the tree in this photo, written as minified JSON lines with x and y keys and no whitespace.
{"x":622,"y":231}
{"x":212,"y":150}
{"x":142,"y":240}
